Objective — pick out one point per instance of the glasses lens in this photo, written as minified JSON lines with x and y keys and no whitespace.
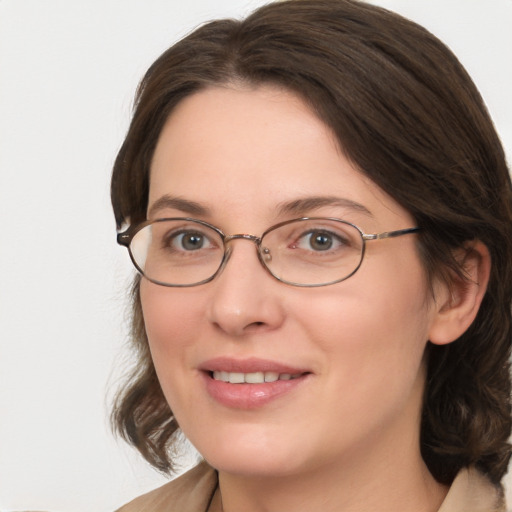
{"x":177,"y":252}
{"x":312,"y":251}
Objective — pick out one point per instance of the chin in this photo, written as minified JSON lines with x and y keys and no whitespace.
{"x":256,"y":467}
{"x":252,"y":455}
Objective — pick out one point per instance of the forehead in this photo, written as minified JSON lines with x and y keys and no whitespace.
{"x":253,"y":149}
{"x":230,"y":121}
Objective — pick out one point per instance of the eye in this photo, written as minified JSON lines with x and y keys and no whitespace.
{"x":320,"y":240}
{"x":188,"y":241}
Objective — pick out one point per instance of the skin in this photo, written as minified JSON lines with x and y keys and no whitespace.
{"x":347,"y":438}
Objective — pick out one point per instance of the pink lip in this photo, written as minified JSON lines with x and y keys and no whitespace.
{"x":250,"y":365}
{"x":249,"y":396}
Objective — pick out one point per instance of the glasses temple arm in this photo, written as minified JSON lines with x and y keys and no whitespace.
{"x":390,"y":234}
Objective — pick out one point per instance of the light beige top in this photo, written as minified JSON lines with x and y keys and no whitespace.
{"x":197,"y":491}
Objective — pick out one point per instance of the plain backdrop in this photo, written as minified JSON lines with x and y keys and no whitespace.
{"x":68,"y":71}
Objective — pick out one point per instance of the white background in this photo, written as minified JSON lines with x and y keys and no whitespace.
{"x":68,"y":71}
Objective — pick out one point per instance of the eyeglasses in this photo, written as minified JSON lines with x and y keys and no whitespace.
{"x":310,"y":251}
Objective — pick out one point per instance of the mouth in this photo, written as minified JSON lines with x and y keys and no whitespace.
{"x":252,"y":377}
{"x":250,"y":383}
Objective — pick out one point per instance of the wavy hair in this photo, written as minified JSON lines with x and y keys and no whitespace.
{"x":408,"y":116}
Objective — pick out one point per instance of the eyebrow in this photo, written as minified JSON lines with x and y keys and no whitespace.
{"x":296,"y":207}
{"x":178,"y":203}
{"x":304,"y":205}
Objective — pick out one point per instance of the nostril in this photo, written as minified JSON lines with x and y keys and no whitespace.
{"x":255,"y":325}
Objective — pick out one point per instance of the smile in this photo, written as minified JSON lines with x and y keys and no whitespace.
{"x":251,"y":383}
{"x":253,"y":377}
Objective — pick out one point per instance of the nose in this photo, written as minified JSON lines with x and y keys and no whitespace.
{"x":245,"y":298}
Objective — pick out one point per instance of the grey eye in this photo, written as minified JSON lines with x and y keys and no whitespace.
{"x":190,"y":241}
{"x":319,"y":241}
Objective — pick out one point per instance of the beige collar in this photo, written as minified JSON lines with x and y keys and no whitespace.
{"x":471,"y":491}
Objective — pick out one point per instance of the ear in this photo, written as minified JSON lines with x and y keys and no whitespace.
{"x":456,"y":304}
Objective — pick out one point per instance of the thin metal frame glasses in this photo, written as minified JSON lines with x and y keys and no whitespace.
{"x":307,"y":252}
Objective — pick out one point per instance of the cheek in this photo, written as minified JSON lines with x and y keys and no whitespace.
{"x":372,"y":326}
{"x":170,"y":321}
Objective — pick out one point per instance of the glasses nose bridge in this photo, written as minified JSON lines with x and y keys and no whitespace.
{"x":243,"y":236}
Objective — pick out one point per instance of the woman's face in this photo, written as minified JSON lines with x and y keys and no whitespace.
{"x":244,"y":159}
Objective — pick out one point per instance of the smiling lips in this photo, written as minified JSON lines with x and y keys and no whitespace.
{"x":253,"y":377}
{"x":249,"y":384}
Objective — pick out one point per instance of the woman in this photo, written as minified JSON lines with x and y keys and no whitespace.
{"x":358,"y":358}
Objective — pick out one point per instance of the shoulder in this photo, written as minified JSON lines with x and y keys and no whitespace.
{"x":473,"y":491}
{"x":191,"y":492}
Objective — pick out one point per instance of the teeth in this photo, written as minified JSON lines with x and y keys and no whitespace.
{"x":236,"y":378}
{"x":271,"y":376}
{"x":252,"y":378}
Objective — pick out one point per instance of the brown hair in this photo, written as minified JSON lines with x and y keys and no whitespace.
{"x":408,"y":116}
